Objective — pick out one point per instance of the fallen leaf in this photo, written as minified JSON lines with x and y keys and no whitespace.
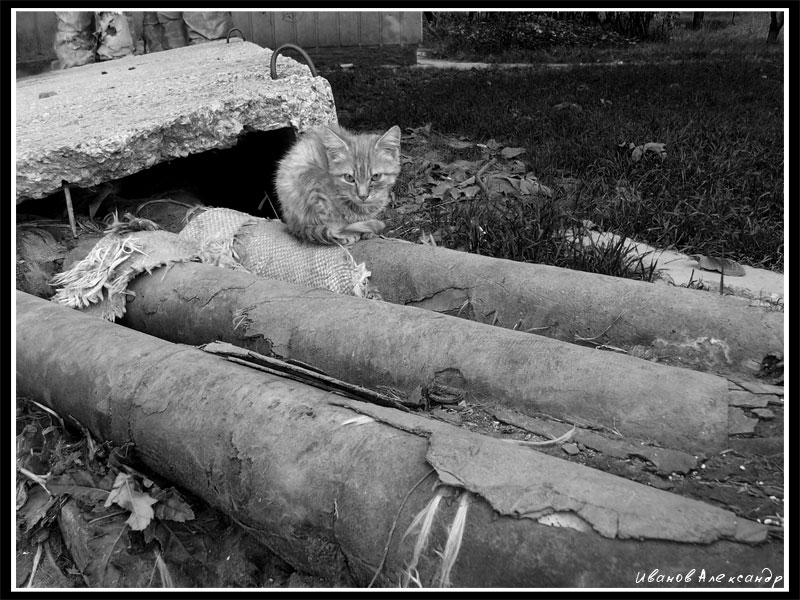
{"x":470,"y":191}
{"x":511,"y":152}
{"x":171,"y":506}
{"x":518,"y":167}
{"x":37,"y":503}
{"x":656,"y":148}
{"x":127,"y":495}
{"x":81,"y":485}
{"x":720,"y":265}
{"x":461,"y":166}
{"x":459,"y":145}
{"x":502,"y":183}
{"x":590,"y":225}
{"x":172,"y":546}
{"x":424,"y":130}
{"x":22,"y":494}
{"x":530,"y":186}
{"x":442,"y":189}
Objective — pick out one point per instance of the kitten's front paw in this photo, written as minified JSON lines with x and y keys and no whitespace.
{"x":375,"y":226}
{"x":369,"y":226}
{"x":347,"y":239}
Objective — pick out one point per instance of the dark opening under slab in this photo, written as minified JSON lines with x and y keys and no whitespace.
{"x":240,"y":177}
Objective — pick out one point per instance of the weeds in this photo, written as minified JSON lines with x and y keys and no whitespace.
{"x":534,"y":232}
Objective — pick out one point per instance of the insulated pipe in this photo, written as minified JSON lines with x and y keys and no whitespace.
{"x":678,"y":326}
{"x":416,"y":351}
{"x":334,"y":499}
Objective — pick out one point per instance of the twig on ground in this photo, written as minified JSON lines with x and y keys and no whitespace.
{"x":610,"y":347}
{"x":480,"y":182}
{"x":37,"y":557}
{"x":605,"y":331}
{"x":70,"y":211}
{"x":40,"y":479}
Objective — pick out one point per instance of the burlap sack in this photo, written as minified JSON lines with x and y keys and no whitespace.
{"x":265,"y":247}
{"x":219,"y":236}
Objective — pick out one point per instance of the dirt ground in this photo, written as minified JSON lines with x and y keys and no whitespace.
{"x":57,"y":539}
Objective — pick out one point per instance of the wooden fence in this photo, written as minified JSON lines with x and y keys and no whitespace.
{"x":330,"y":38}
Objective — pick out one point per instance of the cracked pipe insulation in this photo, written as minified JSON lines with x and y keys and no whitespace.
{"x":375,"y":344}
{"x":719,"y":334}
{"x":278,"y":456}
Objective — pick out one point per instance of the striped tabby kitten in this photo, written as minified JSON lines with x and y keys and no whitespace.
{"x":332,"y":183}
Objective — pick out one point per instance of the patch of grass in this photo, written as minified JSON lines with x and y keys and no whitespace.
{"x":718,"y":192}
{"x":537,"y":232}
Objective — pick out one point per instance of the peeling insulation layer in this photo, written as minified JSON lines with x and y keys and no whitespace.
{"x":614,"y":508}
{"x":533,"y":485}
{"x":410,"y":349}
{"x":677,"y":326}
{"x":327,"y":496}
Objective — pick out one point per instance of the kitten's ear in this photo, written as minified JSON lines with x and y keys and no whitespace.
{"x":334,"y":144}
{"x":390,"y":140}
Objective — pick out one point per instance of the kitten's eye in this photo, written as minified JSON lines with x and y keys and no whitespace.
{"x":348,"y":178}
{"x":376,"y":177}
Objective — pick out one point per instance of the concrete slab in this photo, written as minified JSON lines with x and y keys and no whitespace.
{"x":103,"y":121}
{"x":763,"y":287}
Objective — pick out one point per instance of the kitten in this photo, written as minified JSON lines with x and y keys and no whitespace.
{"x":332,"y":183}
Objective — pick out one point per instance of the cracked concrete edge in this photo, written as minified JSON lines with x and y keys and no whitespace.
{"x":165,"y":105}
{"x":765,"y":288}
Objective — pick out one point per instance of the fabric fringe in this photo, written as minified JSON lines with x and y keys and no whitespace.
{"x":215,"y":236}
{"x":424,"y":522}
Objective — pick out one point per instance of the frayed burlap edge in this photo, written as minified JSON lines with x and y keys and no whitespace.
{"x":98,"y":284}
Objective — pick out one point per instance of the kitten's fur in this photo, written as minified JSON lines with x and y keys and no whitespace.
{"x":332,"y":183}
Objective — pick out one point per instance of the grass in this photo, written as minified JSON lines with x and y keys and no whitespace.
{"x":719,"y":191}
{"x":532,"y":232}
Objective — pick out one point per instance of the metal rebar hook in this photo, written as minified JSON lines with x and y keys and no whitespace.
{"x":273,"y":72}
{"x":241,"y":35}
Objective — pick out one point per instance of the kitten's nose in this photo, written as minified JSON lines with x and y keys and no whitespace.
{"x":363,"y":193}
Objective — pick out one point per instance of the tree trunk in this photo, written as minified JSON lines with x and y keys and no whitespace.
{"x":334,"y":499}
{"x":775,"y":26}
{"x":697,"y":20}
